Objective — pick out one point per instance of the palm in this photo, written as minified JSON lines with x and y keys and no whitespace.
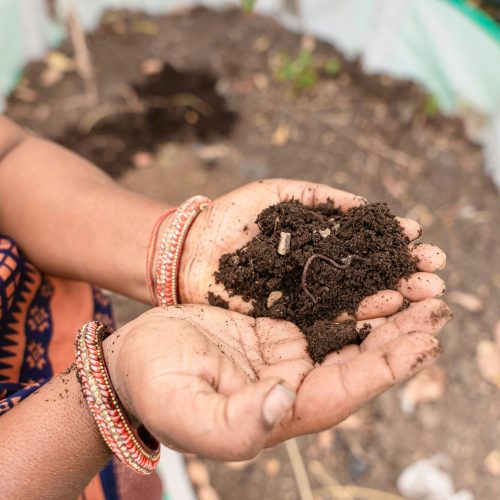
{"x":230,"y":222}
{"x":210,"y":353}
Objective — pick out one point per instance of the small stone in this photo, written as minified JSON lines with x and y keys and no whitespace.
{"x":50,"y":76}
{"x":492,"y":463}
{"x":467,"y":301}
{"x":425,"y":479}
{"x":272,"y":467}
{"x":281,"y":135}
{"x":428,"y":385}
{"x":335,"y":225}
{"x":325,"y":232}
{"x":488,"y":361}
{"x":273,"y":298}
{"x":142,"y":159}
{"x":151,"y":66}
{"x":284,"y":244}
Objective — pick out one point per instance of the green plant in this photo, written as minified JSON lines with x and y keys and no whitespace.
{"x":300,"y":71}
{"x":431,"y":105}
{"x":332,"y":66}
{"x":248,"y":5}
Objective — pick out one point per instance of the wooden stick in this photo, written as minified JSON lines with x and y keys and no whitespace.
{"x":299,"y":470}
{"x":83,"y":60}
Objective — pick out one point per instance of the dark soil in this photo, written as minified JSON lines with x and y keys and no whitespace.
{"x":333,"y":262}
{"x":170,"y":105}
{"x":326,"y":336}
{"x":217,"y":300}
{"x":368,"y":134}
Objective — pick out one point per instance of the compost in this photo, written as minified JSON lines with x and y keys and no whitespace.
{"x":309,"y":265}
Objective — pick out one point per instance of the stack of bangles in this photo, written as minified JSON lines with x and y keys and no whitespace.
{"x":169,"y":253}
{"x":134,"y":447}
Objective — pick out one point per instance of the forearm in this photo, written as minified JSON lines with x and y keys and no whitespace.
{"x":51,"y":447}
{"x":70,"y":218}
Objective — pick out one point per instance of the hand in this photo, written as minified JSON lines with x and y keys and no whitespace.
{"x":229,"y":223}
{"x":224,"y":385}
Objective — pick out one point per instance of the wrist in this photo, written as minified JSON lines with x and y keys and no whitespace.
{"x":152,"y":264}
{"x":171,"y":265}
{"x":118,"y":373}
{"x":140,"y":453}
{"x":189,"y":266}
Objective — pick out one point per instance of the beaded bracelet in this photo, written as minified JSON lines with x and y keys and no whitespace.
{"x":170,"y":250}
{"x":122,"y":439}
{"x":151,"y":248}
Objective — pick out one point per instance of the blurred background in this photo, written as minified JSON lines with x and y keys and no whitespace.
{"x":395,"y":100}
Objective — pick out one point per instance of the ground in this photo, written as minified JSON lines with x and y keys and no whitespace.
{"x":372,"y":135}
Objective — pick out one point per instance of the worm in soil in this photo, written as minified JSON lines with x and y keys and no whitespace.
{"x":346,"y":262}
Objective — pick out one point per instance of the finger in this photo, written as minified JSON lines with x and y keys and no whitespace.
{"x":233,"y":303}
{"x":380,"y":304}
{"x":330,"y":393}
{"x":429,"y":257}
{"x":380,"y":336}
{"x":283,"y":352}
{"x":428,"y":316}
{"x":349,"y":351}
{"x":420,"y":286}
{"x":235,"y":427}
{"x":374,"y":323}
{"x":410,"y":227}
{"x":311,"y":194}
{"x":342,"y":355}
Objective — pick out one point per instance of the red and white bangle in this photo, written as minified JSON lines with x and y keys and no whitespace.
{"x":151,"y":250}
{"x":169,"y":253}
{"x":122,"y":439}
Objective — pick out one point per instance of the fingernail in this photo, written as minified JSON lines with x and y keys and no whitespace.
{"x":364,"y":200}
{"x":277,"y":403}
{"x":443,"y":264}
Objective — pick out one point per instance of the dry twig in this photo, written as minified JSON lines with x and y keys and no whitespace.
{"x":83,"y":60}
{"x":299,"y":470}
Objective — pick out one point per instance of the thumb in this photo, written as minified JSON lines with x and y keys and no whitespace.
{"x":233,"y":427}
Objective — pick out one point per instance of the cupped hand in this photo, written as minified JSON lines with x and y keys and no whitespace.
{"x":229,"y":222}
{"x":225,"y":385}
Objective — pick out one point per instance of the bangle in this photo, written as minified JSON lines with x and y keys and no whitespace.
{"x":171,"y":247}
{"x":122,"y":439}
{"x":151,"y":248}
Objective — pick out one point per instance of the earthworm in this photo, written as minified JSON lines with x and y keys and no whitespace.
{"x":346,"y":262}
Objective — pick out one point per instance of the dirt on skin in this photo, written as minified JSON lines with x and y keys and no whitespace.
{"x":310,"y":264}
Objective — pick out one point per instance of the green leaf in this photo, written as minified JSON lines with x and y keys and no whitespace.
{"x":431,"y":105}
{"x":333,"y":66}
{"x":248,"y":5}
{"x":300,"y":71}
{"x":306,"y":79}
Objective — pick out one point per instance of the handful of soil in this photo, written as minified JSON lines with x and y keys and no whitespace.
{"x":308,"y":265}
